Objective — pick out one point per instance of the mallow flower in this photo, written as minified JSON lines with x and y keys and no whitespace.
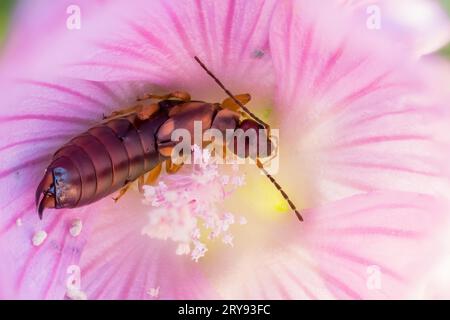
{"x":363,"y":152}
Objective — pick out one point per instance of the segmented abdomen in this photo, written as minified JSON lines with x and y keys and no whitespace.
{"x":105,"y":158}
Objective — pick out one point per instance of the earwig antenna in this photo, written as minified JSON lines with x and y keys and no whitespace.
{"x":277,"y":185}
{"x":251,"y":114}
{"x":265,"y":125}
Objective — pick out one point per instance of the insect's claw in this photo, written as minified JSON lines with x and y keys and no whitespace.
{"x":121,"y":192}
{"x":45,"y":198}
{"x":48,"y":201}
{"x":41,"y":207}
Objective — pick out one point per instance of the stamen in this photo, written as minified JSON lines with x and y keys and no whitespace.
{"x":228,"y":239}
{"x":183,"y":249}
{"x":199,"y":250}
{"x":186,"y":206}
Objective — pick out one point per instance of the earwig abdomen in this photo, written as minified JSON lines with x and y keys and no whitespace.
{"x":102,"y":160}
{"x":116,"y":151}
{"x":67,"y":177}
{"x":125,"y":130}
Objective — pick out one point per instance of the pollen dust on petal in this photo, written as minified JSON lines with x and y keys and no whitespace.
{"x":186,"y":205}
{"x":39,"y":238}
{"x":153,"y":292}
{"x":76,"y":227}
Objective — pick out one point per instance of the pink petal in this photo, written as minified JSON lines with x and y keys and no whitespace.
{"x":438,"y":285}
{"x":122,"y":263}
{"x":398,"y":234}
{"x":421,"y":26}
{"x":36,"y":25}
{"x":36,"y":118}
{"x":40,"y":271}
{"x":365,"y":120}
{"x":334,"y":252}
{"x":157,"y":43}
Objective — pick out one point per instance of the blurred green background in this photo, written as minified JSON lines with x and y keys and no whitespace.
{"x":446,"y":50}
{"x":6,"y":7}
{"x":5,"y":10}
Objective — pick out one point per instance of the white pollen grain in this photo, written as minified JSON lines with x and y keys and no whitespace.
{"x":153,"y":292}
{"x":183,"y":249}
{"x":19,"y":222}
{"x":39,"y":238}
{"x":76,"y":227}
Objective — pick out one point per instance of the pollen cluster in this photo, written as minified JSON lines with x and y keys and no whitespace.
{"x":186,"y":208}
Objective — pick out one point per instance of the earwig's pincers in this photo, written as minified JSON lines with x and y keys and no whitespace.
{"x":45,"y":193}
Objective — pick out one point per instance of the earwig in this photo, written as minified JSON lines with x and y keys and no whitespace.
{"x":136,"y":141}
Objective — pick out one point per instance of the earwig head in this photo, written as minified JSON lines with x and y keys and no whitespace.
{"x":251,"y":140}
{"x":59,"y":188}
{"x":245,"y":126}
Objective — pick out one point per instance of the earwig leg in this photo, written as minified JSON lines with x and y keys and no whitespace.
{"x":147,"y":111}
{"x":230,"y":104}
{"x":141,"y":182}
{"x":171,"y":167}
{"x":122,"y":192}
{"x":153,"y":174}
{"x":122,"y":112}
{"x":181,"y":95}
{"x":166,"y":148}
{"x":143,"y":112}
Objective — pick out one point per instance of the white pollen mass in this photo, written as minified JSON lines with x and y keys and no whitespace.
{"x":76,"y":227}
{"x":39,"y":238}
{"x":189,"y":202}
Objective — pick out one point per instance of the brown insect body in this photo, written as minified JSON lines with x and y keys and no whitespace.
{"x":118,"y":151}
{"x":134,"y":141}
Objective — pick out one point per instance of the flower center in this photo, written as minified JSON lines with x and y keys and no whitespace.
{"x":186,"y":206}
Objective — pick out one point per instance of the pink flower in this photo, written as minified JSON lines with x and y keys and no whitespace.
{"x":364,"y":146}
